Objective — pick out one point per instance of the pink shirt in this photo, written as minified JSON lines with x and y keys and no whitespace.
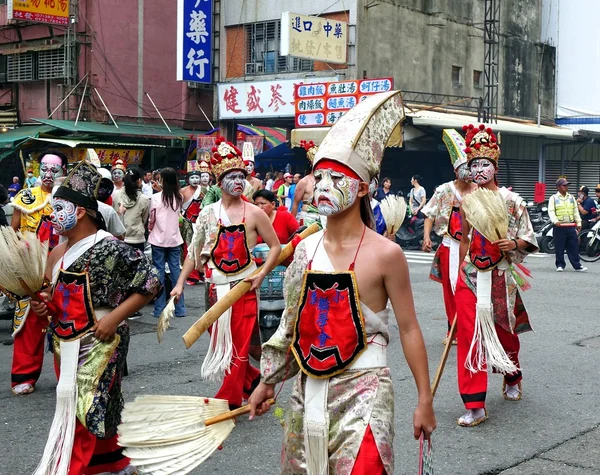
{"x":163,"y":224}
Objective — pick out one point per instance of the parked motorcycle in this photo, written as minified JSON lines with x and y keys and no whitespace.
{"x":545,"y":238}
{"x":410,"y":235}
{"x":538,"y":214}
{"x":589,"y":244}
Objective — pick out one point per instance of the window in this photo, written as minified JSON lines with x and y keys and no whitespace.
{"x":456,"y":76}
{"x":37,"y":65}
{"x":477,"y":79}
{"x":262,"y":55}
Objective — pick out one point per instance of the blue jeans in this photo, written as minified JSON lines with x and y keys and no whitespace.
{"x":171,"y":256}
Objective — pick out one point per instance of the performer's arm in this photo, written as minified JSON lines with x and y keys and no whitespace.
{"x":106,"y":328}
{"x":298,"y":195}
{"x":195,"y":248}
{"x":464,"y":242}
{"x":265,"y":230}
{"x":397,"y":284}
{"x":428,"y":226}
{"x":15,"y":221}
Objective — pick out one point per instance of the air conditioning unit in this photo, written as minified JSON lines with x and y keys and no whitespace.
{"x":193,"y":85}
{"x":254,"y":68}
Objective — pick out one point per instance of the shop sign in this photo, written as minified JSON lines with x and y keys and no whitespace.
{"x":261,"y":98}
{"x":322,"y":104}
{"x":194,"y":40}
{"x":313,"y":37}
{"x":55,"y":12}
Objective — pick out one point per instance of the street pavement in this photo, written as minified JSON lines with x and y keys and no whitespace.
{"x":553,"y":430}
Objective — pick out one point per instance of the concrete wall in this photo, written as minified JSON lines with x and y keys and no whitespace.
{"x":110,"y":50}
{"x":419,"y":41}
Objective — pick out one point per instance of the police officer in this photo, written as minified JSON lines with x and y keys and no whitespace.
{"x":564,"y":213}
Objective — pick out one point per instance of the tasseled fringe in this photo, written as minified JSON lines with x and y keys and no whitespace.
{"x":517,"y":272}
{"x":218,"y":358}
{"x":486,"y":346}
{"x":57,"y":453}
{"x":317,"y":450}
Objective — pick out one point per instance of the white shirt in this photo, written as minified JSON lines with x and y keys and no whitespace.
{"x":147,"y":189}
{"x":269,"y":185}
{"x":111,"y":219}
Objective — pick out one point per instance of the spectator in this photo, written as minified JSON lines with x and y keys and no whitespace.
{"x":156,"y":186}
{"x":30,"y":180}
{"x":134,"y":208}
{"x":384,"y":190}
{"x":14,"y":188}
{"x":295,"y":180}
{"x":585,"y":205}
{"x":269,"y":181}
{"x":280,"y":180}
{"x":596,"y":205}
{"x":417,"y":197}
{"x":283,"y":222}
{"x":147,"y":185}
{"x":111,"y":218}
{"x":165,"y":237}
{"x":563,"y":212}
{"x":283,"y":192}
{"x":3,"y":201}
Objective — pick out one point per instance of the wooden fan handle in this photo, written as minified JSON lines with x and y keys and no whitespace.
{"x":52,"y":310}
{"x":231,"y":414}
{"x":212,"y":314}
{"x":442,"y":365}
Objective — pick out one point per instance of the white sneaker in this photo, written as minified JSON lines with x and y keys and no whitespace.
{"x":581,"y":269}
{"x":559,"y":269}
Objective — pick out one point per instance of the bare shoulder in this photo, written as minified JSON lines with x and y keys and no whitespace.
{"x":388,"y":252}
{"x":56,"y":254}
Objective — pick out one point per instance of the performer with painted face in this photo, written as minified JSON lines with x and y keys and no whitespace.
{"x":32,"y":210}
{"x":487,"y":286}
{"x":335,"y":329}
{"x":97,"y":282}
{"x":118,"y":174}
{"x":248,"y":156}
{"x":443,"y":217}
{"x":224,"y":235}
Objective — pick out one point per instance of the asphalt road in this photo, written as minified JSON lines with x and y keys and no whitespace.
{"x":553,"y":430}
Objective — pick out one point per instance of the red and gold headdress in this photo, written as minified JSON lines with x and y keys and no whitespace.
{"x":311,"y":149}
{"x":204,"y":167}
{"x":119,"y":164}
{"x":481,"y":143}
{"x":225,"y":158}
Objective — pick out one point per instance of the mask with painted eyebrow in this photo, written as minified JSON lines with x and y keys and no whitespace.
{"x":334,"y":191}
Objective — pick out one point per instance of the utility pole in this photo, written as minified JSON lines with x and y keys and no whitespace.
{"x":491,"y":39}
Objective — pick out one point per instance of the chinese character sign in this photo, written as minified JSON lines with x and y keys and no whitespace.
{"x":264,"y":98}
{"x":41,"y":11}
{"x":313,"y":37}
{"x":322,"y":104}
{"x":194,"y":40}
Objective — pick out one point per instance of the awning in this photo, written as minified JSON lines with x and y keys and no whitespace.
{"x":280,"y":156}
{"x":27,"y":48}
{"x":73,"y":143}
{"x":125,"y":129}
{"x":273,"y":135}
{"x":443,"y":120}
{"x":12,"y":137}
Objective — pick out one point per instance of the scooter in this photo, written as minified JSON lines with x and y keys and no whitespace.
{"x":545,"y":238}
{"x":411,"y":233}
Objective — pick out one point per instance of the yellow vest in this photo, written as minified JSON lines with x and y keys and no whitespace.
{"x":564,"y":208}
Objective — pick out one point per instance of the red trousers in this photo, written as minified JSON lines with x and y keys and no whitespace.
{"x":92,"y":455}
{"x":368,"y":461}
{"x":473,"y":386}
{"x":449,"y":299}
{"x":28,"y":350}
{"x":242,"y":377}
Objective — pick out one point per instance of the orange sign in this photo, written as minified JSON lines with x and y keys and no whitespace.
{"x":42,"y":11}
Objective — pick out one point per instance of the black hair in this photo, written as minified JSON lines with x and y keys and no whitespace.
{"x":419,"y":178}
{"x":3,"y":195}
{"x":386,"y":179}
{"x":58,"y":153}
{"x":105,"y":189}
{"x":366,"y":212}
{"x":266,"y":194}
{"x":132,"y":175}
{"x":171,"y":195}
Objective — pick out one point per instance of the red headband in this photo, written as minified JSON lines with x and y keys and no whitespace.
{"x":337,"y":167}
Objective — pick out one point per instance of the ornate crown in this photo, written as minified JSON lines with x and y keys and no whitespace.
{"x":204,"y":167}
{"x":119,"y":164}
{"x":311,"y":149}
{"x":226,"y":157}
{"x":481,"y":143}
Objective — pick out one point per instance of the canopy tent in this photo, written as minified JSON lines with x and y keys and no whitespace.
{"x":279,"y":157}
{"x":273,"y":136}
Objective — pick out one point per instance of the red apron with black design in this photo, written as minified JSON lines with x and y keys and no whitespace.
{"x":455,"y":224}
{"x":193,"y":211}
{"x":230,"y":254}
{"x":483,"y":254}
{"x":72,"y":298}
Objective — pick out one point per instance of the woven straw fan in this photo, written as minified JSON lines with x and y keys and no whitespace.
{"x":164,"y":322}
{"x":22,"y":263}
{"x":174,"y":434}
{"x":393,"y":209}
{"x":486,"y":211}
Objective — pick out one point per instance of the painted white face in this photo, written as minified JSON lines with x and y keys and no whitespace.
{"x":334,"y":191}
{"x":64,"y":216}
{"x":49,"y":172}
{"x":463,"y":172}
{"x":233,"y":183}
{"x":482,"y":171}
{"x":204,"y":179}
{"x":194,"y":180}
{"x":117,"y":175}
{"x":250,"y":168}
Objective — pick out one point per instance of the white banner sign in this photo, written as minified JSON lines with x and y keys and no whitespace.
{"x":261,"y":98}
{"x":313,"y":37}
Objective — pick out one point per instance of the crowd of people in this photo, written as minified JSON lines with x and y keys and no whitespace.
{"x":99,"y":225}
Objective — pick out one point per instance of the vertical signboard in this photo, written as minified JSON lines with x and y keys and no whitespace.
{"x":313,"y":37}
{"x":194,"y":40}
{"x":55,"y":12}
